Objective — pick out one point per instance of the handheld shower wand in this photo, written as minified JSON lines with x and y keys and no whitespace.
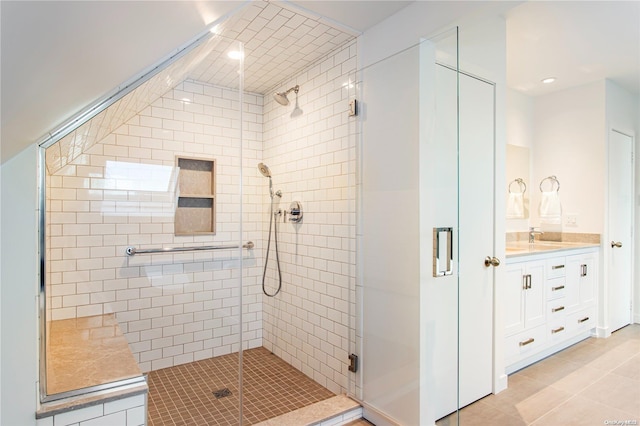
{"x":267,"y":173}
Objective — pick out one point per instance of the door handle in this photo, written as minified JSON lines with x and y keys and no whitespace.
{"x":616,"y":244}
{"x":491,"y":261}
{"x":442,"y":252}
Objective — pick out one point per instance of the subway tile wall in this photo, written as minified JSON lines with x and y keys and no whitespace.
{"x":173,"y":308}
{"x":312,"y":158}
{"x":177,"y":308}
{"x":130,"y":411}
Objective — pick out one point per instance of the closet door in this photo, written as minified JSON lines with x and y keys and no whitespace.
{"x":476,"y":222}
{"x":620,"y":243}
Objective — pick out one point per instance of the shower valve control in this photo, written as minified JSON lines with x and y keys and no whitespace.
{"x":295,"y":212}
{"x":353,"y":108}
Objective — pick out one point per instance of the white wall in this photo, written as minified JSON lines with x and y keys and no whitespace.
{"x":569,"y":129}
{"x":519,"y":132}
{"x":312,"y":160}
{"x":422,"y":19}
{"x":19,"y":283}
{"x":0,"y":286}
{"x":390,"y":240}
{"x":519,"y":119}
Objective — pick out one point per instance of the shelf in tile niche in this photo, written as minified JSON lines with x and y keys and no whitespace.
{"x":196,"y":210}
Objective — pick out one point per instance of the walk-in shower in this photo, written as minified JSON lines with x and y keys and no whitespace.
{"x":174,"y":167}
{"x":264,"y":169}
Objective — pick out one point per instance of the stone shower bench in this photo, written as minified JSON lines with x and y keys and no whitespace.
{"x":89,"y":363}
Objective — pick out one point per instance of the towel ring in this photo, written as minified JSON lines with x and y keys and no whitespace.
{"x":553,"y":180}
{"x":521,"y":185}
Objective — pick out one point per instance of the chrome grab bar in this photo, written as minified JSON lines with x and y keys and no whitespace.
{"x":131,"y":251}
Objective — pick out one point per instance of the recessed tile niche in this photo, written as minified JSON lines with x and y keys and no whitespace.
{"x":196,"y":210}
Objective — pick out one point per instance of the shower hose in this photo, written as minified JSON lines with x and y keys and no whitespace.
{"x":266,"y":258}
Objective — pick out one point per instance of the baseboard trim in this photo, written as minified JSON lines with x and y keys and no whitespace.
{"x":376,"y":417}
{"x":603,"y":332}
{"x":501,"y":384}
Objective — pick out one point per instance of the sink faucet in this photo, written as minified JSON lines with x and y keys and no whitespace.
{"x":532,"y":234}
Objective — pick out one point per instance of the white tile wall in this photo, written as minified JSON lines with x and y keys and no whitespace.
{"x":312,"y":159}
{"x":131,"y":411}
{"x":177,"y":308}
{"x":173,"y":308}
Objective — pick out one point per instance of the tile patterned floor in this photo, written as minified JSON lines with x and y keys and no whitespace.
{"x":183,"y":395}
{"x":595,"y":382}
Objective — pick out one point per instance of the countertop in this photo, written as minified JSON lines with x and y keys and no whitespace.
{"x":523,"y":248}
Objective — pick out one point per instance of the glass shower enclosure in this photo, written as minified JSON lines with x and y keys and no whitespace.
{"x":155,"y":233}
{"x":142,"y":237}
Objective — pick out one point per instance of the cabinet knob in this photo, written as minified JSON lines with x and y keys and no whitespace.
{"x":616,"y":244}
{"x":491,"y":261}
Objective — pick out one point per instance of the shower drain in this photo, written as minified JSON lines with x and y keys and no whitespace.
{"x":221,"y":393}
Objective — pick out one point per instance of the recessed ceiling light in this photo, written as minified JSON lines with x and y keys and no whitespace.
{"x":548,"y":80}
{"x":235,"y":54}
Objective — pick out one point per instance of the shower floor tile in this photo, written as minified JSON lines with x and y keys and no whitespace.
{"x":184,"y":394}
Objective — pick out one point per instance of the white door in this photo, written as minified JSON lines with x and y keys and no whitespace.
{"x":620,"y":242}
{"x":476,"y":221}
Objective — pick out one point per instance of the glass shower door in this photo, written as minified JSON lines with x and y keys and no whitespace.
{"x":144,"y":241}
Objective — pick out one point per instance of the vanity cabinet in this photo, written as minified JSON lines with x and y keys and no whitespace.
{"x":524,"y":307}
{"x":581,"y":291}
{"x":550,"y":303}
{"x":524,"y":296}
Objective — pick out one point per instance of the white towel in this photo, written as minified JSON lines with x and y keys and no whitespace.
{"x":515,"y":205}
{"x":550,"y":208}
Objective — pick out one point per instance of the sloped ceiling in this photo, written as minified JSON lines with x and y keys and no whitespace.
{"x":60,"y":56}
{"x":278,"y":43}
{"x":57,"y":57}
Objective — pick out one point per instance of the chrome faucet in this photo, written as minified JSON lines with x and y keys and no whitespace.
{"x":532,"y":234}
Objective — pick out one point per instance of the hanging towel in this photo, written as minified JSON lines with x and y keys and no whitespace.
{"x":515,"y":205}
{"x":550,"y":208}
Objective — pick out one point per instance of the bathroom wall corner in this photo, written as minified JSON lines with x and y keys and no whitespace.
{"x":18,"y":288}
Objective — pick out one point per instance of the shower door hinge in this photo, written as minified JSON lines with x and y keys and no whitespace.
{"x":353,"y":364}
{"x":353,"y":108}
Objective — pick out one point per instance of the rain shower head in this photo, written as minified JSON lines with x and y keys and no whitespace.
{"x":264,"y":169}
{"x":281,"y":97}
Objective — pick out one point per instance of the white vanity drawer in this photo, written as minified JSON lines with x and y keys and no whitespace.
{"x":557,"y":329}
{"x":556,"y":309}
{"x":582,"y":320}
{"x":525,"y":342}
{"x":556,"y":288}
{"x":556,"y":267}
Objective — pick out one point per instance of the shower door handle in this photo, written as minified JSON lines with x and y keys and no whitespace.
{"x":442,"y":252}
